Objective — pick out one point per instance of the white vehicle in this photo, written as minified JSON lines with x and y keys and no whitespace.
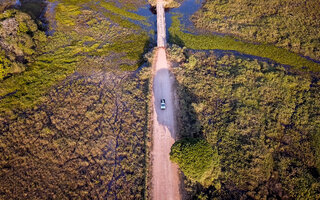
{"x":163,"y":104}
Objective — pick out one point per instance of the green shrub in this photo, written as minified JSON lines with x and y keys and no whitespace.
{"x":261,"y":117}
{"x":176,"y":53}
{"x":197,"y":159}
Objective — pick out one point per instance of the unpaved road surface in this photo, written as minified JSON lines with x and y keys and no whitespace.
{"x":161,"y":25}
{"x":165,"y":178}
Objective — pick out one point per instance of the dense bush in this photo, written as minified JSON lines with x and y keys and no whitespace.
{"x":196,"y":158}
{"x":87,"y":141}
{"x":291,"y":24}
{"x":175,"y":53}
{"x":263,"y":120}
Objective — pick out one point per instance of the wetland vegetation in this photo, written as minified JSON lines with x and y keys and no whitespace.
{"x":293,"y":24}
{"x":261,"y":120}
{"x":86,"y":141}
{"x":209,"y":41}
{"x":73,"y":109}
{"x":248,"y":85}
{"x":86,"y":36}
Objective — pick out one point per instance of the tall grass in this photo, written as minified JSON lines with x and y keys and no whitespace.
{"x":206,"y":42}
{"x":119,"y":11}
{"x":108,"y":41}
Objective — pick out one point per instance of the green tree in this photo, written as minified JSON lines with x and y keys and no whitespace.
{"x":197,"y":159}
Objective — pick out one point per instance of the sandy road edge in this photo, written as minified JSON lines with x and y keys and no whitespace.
{"x":149,"y":185}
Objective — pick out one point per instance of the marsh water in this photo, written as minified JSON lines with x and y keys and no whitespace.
{"x":40,"y":8}
{"x":185,"y":11}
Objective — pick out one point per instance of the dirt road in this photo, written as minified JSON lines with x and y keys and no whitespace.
{"x":165,"y":178}
{"x":161,"y":24}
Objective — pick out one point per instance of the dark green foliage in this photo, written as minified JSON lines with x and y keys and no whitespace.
{"x":86,"y":141}
{"x":290,"y":24}
{"x":196,"y":158}
{"x":176,"y":54}
{"x":261,"y":117}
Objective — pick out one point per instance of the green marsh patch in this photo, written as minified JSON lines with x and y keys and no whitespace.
{"x":262,"y":118}
{"x":290,"y":24}
{"x":120,"y":11}
{"x":87,"y":37}
{"x":207,"y":42}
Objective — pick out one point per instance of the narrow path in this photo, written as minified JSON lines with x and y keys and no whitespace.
{"x":161,"y":24}
{"x":165,"y":177}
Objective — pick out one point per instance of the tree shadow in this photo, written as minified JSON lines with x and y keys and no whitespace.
{"x":36,"y":9}
{"x":179,"y":105}
{"x":148,"y":45}
{"x":189,"y":123}
{"x":174,"y":39}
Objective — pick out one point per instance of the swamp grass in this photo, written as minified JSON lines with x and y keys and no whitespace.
{"x":290,"y":24}
{"x":108,"y":40}
{"x":122,"y":12}
{"x":261,"y":116}
{"x":88,"y":136}
{"x":79,"y":110}
{"x":207,"y":42}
